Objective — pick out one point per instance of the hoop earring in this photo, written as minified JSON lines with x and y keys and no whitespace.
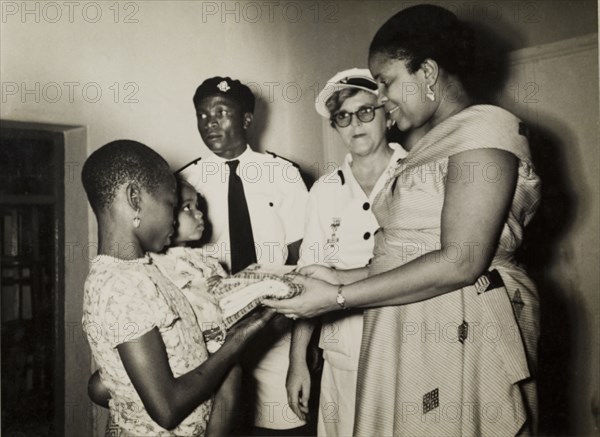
{"x":136,"y":219}
{"x":430,"y":94}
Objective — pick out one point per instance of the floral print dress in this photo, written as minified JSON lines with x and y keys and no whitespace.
{"x":123,"y":300}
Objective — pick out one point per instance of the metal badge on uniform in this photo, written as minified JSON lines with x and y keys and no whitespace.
{"x":223,"y":86}
{"x":335,"y":224}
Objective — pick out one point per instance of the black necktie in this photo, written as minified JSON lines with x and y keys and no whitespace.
{"x":240,"y":228}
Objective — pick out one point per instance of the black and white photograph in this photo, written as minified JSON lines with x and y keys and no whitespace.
{"x":321,"y":218}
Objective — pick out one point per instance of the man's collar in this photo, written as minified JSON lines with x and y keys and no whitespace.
{"x":244,"y":156}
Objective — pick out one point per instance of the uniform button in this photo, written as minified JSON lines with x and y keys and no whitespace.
{"x":367,"y":235}
{"x":270,"y":203}
{"x":366,"y":206}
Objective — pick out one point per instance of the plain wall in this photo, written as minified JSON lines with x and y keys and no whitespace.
{"x":78,"y":407}
{"x":287,"y":50}
{"x":147,"y":72}
{"x":554,"y":88}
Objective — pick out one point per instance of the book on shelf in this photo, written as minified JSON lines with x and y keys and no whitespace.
{"x":10,"y":238}
{"x":10,"y":302}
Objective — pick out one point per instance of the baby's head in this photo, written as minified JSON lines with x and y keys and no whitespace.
{"x":132,"y":193}
{"x":190,"y":224}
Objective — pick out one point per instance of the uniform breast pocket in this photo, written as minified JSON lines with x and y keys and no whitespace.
{"x":267,"y":226}
{"x":263,"y":208}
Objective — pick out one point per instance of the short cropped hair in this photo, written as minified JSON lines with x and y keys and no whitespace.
{"x":121,"y":162}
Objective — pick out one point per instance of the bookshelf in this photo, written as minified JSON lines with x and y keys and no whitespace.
{"x":31,"y":279}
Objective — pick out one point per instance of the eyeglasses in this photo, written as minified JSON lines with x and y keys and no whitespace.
{"x":366,"y":114}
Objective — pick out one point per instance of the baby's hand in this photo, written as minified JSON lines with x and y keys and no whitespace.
{"x":213,"y":281}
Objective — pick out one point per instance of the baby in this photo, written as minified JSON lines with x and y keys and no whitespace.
{"x":218,"y":301}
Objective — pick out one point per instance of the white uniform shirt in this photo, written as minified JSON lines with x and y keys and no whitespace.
{"x":339,"y":233}
{"x":276,"y":197}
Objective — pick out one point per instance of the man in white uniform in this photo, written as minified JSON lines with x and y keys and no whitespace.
{"x":276,"y":200}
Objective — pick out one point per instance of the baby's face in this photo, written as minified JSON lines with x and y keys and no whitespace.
{"x":190,"y":224}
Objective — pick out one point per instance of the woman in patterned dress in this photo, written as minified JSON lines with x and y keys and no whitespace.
{"x":450,"y":320}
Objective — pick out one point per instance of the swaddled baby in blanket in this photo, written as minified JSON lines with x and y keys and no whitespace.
{"x":220,"y":300}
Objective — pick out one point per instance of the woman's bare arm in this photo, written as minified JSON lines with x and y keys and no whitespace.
{"x":473,"y":215}
{"x":168,"y":399}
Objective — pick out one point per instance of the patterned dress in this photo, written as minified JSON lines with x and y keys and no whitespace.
{"x":460,"y":364}
{"x":124,"y":300}
{"x":192,"y":272}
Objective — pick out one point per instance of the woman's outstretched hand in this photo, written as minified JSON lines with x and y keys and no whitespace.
{"x":321,"y":272}
{"x":319,"y":297}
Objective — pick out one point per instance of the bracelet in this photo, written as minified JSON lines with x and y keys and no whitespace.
{"x":340,"y":299}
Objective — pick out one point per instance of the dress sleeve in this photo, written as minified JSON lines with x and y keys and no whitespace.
{"x":489,"y":127}
{"x":134,"y":307}
{"x":210,"y":265}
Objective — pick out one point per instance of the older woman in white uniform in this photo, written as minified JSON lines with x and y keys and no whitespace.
{"x":339,"y":233}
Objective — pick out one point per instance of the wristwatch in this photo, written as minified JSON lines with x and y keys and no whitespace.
{"x":340,"y":299}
